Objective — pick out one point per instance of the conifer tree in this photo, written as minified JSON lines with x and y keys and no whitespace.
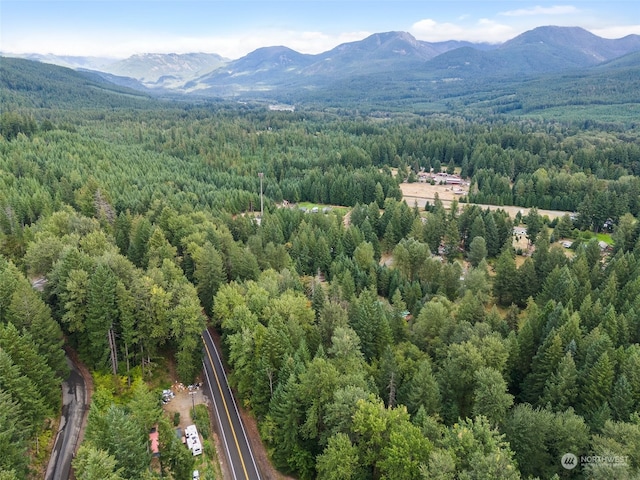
{"x":127,"y":324}
{"x":534,"y":224}
{"x":451,"y":240}
{"x":102,"y":312}
{"x":371,"y":324}
{"x":141,"y":231}
{"x":596,"y":385}
{"x":477,"y":229}
{"x":505,"y":278}
{"x":527,"y":282}
{"x":32,"y":407}
{"x":477,"y":250}
{"x":13,"y":425}
{"x":558,"y":286}
{"x":110,"y":428}
{"x":24,"y":354}
{"x":622,"y":403}
{"x":491,"y":397}
{"x":339,"y":460}
{"x":492,"y":237}
{"x":545,"y":363}
{"x":424,"y":391}
{"x":561,"y":389}
{"x":28,"y":311}
{"x":94,"y":464}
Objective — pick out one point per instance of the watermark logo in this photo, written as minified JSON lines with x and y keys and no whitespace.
{"x":569,"y":461}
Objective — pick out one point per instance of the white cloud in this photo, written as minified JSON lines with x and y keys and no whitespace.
{"x":122,"y":45}
{"x":484,"y":30}
{"x":617,"y":31}
{"x":240,"y":44}
{"x":539,"y":10}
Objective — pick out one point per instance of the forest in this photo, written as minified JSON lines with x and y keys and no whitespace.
{"x":373,"y":340}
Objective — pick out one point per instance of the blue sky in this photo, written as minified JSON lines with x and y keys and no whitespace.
{"x":119,"y":28}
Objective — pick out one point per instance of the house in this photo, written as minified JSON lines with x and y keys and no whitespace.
{"x":448,"y":179}
{"x":453,"y":180}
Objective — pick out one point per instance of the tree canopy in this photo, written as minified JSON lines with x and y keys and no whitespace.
{"x":370,"y":340}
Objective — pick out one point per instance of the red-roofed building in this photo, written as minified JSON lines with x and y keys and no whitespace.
{"x":153,"y":440}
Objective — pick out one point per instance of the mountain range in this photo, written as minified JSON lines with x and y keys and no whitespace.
{"x":390,"y":66}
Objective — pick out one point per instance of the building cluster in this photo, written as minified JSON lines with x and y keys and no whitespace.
{"x":440,"y":178}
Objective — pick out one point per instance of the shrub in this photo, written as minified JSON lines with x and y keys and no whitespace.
{"x":201,"y":419}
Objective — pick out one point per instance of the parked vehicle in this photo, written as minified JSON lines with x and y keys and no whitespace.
{"x":193,"y":440}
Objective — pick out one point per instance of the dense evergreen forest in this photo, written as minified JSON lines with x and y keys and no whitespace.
{"x":378,"y":341}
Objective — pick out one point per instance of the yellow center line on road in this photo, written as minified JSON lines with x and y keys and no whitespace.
{"x":226,"y":409}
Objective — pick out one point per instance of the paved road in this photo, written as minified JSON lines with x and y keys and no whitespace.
{"x":73,"y":408}
{"x":242,"y":464}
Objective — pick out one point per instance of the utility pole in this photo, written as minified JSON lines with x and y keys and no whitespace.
{"x":261,"y":174}
{"x":193,"y":404}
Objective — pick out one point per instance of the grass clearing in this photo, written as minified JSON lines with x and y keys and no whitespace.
{"x":605,"y":237}
{"x":334,"y":208}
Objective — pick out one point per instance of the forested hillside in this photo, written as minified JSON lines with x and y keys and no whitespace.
{"x":384,"y":342}
{"x":28,"y":84}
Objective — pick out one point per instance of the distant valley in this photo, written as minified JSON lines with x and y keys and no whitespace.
{"x":482,"y":338}
{"x":395,"y":69}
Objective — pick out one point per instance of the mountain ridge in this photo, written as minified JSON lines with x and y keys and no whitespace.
{"x":395,"y":67}
{"x":30,"y":84}
{"x":541,"y":50}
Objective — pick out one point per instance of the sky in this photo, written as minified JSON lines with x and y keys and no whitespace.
{"x":233,"y":28}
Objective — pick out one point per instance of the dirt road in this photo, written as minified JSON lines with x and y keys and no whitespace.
{"x":423,"y":192}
